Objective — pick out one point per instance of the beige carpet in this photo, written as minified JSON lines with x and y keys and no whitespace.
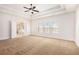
{"x":33,"y":45}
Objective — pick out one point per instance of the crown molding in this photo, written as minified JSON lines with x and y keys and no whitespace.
{"x":13,"y":12}
{"x":16,"y":12}
{"x":56,"y":10}
{"x":52,"y":15}
{"x":52,"y":9}
{"x":62,"y":10}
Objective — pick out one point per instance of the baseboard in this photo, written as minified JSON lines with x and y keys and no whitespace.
{"x":53,"y":37}
{"x":20,"y":36}
{"x":77,"y":43}
{"x":4,"y":38}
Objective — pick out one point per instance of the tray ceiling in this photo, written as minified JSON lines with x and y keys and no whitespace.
{"x":43,"y":8}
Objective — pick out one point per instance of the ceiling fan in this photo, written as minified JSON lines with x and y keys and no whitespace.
{"x":32,"y":9}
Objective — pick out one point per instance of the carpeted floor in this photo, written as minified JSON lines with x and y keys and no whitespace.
{"x":33,"y":45}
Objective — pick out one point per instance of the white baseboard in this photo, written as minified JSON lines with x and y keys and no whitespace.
{"x":68,"y":39}
{"x":4,"y":38}
{"x":77,"y":43}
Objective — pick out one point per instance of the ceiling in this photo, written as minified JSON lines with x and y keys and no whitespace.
{"x":19,"y":7}
{"x":43,"y":9}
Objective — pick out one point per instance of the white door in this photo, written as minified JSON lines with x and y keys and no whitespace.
{"x":13,"y":29}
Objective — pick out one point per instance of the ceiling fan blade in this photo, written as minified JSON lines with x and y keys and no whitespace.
{"x":31,"y":4}
{"x":26,"y":7}
{"x":34,"y":7}
{"x":32,"y":12}
{"x":26,"y":11}
{"x":36,"y":10}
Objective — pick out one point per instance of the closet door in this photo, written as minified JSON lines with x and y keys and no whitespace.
{"x":13,"y":29}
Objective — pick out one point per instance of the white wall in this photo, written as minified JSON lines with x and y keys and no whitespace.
{"x":5,"y":30}
{"x":4,"y":26}
{"x":65,"y":22}
{"x":27,"y":27}
{"x":77,"y":27}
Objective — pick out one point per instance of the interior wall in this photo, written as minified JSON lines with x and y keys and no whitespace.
{"x":77,"y":27}
{"x":66,"y":26}
{"x":5,"y":24}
